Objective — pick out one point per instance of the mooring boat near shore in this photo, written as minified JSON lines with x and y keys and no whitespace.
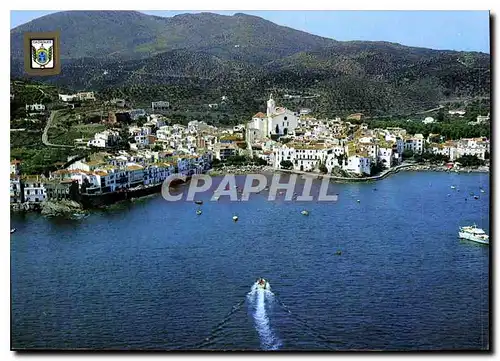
{"x":472,"y":233}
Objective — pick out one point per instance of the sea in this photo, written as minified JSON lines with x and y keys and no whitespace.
{"x":380,"y":268}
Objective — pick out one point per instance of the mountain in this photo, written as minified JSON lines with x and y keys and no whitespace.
{"x":189,"y":58}
{"x":131,"y":34}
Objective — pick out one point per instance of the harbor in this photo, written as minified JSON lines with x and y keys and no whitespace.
{"x":376,"y":254}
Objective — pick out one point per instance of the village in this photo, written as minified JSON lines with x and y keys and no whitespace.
{"x":278,"y":139}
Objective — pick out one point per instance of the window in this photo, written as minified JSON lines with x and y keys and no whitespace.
{"x":286,"y":118}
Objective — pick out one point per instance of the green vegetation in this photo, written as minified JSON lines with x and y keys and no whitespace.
{"x":377,"y":168}
{"x":286,"y":164}
{"x":431,"y":158}
{"x":407,"y":154}
{"x":470,"y":161}
{"x":323,"y":169}
{"x":35,"y":157}
{"x":191,"y":60}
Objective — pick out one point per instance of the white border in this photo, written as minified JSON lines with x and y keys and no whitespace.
{"x":195,"y":5}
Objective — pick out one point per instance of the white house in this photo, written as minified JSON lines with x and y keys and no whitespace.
{"x":456,"y":112}
{"x":35,"y":107}
{"x":15,"y":166}
{"x":104,"y":139}
{"x":160,"y":105}
{"x":358,"y":164}
{"x":34,"y":190}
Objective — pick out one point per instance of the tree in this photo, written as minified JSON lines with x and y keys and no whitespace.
{"x":323,"y":169}
{"x":470,"y":161}
{"x":407,"y":154}
{"x":261,"y":161}
{"x":286,"y":164}
{"x":157,"y":148}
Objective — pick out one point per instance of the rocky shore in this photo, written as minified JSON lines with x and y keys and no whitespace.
{"x":61,"y":208}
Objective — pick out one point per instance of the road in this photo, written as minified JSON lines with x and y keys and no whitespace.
{"x":44,"y":134}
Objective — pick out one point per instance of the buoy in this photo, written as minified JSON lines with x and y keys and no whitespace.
{"x":305,"y":213}
{"x":235,"y":218}
{"x":198,"y":212}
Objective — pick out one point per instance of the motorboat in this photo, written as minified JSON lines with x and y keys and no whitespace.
{"x":198,"y":212}
{"x":263,"y":284}
{"x":12,"y":230}
{"x":304,"y":213}
{"x":452,"y":187}
{"x":198,"y":202}
{"x":472,"y":233}
{"x":476,"y":197}
{"x":482,"y":190}
{"x":235,"y":218}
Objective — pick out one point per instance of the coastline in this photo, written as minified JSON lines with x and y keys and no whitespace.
{"x":232,"y":170}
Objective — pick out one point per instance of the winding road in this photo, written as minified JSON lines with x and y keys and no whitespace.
{"x":46,"y":129}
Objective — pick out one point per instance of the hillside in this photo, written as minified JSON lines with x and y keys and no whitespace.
{"x":194,"y":58}
{"x":131,"y":34}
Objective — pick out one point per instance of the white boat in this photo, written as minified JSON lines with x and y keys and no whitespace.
{"x":472,"y":233}
{"x":305,"y":213}
{"x":482,"y":190}
{"x":235,"y":218}
{"x":452,"y":187}
{"x":12,"y":230}
{"x":263,"y":284}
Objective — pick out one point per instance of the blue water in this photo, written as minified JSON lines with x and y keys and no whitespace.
{"x":154,"y":275}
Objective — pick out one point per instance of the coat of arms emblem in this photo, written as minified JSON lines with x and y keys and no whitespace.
{"x":42,"y":54}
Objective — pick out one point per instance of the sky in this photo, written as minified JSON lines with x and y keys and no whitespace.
{"x":445,"y":30}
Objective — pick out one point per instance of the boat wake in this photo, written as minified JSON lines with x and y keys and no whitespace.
{"x":257,"y":298}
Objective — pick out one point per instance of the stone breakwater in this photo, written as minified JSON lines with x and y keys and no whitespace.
{"x":246,"y":169}
{"x":442,"y":168}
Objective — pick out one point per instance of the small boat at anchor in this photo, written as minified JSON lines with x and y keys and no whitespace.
{"x":263,"y":284}
{"x":482,"y":190}
{"x":198,"y":212}
{"x":453,"y":187}
{"x":235,"y":218}
{"x":304,"y":213}
{"x":198,"y":202}
{"x":12,"y":230}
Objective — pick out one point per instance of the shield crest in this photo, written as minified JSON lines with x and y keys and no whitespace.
{"x":42,"y":54}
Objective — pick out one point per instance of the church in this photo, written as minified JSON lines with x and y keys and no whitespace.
{"x":278,"y":121}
